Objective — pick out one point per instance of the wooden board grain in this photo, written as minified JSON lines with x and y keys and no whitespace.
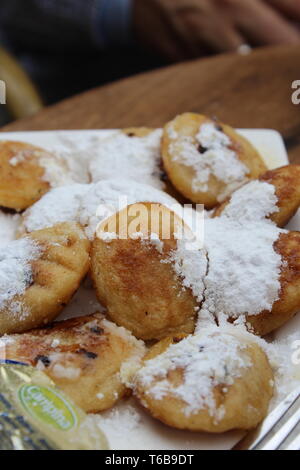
{"x":252,"y":91}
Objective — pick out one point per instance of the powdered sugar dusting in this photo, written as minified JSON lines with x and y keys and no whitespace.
{"x":252,"y":202}
{"x":15,"y":268}
{"x":18,"y":158}
{"x":132,"y":363}
{"x":281,"y":354}
{"x":243,"y":267}
{"x":135,"y":158}
{"x":122,"y":332}
{"x":8,"y":227}
{"x":209,"y":154}
{"x":110,"y":196}
{"x":76,"y":152}
{"x":244,"y":214}
{"x":62,"y":372}
{"x":155,"y":241}
{"x":207,"y":360}
{"x":123,"y":420}
{"x":90,"y":204}
{"x":237,"y":272}
{"x":191,"y":267}
{"x":55,"y":170}
{"x":57,"y":206}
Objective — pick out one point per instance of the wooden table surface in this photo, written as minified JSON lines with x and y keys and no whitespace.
{"x":245,"y":91}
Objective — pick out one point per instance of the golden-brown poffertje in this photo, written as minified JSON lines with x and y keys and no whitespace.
{"x":288,"y":303}
{"x":168,"y":187}
{"x":213,"y":382}
{"x":21,"y":175}
{"x":134,"y":278}
{"x":86,"y":357}
{"x":207,"y":160}
{"x":47,"y":280}
{"x":286,"y":181}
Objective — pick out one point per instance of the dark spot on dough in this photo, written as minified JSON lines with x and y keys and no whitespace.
{"x":7,"y":210}
{"x":163,"y":176}
{"x":202,"y":149}
{"x":44,"y":359}
{"x":49,"y":326}
{"x":176,"y":340}
{"x":88,"y":354}
{"x":97,"y":330}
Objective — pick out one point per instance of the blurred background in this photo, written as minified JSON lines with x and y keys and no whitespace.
{"x":52,"y":49}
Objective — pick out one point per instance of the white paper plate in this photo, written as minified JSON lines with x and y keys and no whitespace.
{"x":127,"y":426}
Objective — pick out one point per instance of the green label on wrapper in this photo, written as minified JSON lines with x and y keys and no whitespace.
{"x":49,"y":406}
{"x":36,"y":415}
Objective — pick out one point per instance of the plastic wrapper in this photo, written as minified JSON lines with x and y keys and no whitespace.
{"x":36,"y":415}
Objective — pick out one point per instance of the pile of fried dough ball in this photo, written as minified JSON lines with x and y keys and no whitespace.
{"x":148,"y":310}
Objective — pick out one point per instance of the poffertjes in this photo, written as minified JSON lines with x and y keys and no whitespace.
{"x":196,"y":377}
{"x":288,"y":303}
{"x":59,"y":205}
{"x":22,"y":175}
{"x":286,"y":181}
{"x":166,"y":184}
{"x":213,"y":382}
{"x":135,"y":278}
{"x":207,"y":160}
{"x":39,"y":274}
{"x":133,"y":153}
{"x":86,"y":357}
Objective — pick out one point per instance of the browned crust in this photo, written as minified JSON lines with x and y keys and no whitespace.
{"x":57,"y":273}
{"x":245,"y":402}
{"x":181,"y":175}
{"x":286,"y":181}
{"x":85,"y":344}
{"x":139,"y":289}
{"x":288,"y":304}
{"x":21,"y":185}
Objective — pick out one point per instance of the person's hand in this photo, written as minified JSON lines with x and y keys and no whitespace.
{"x":180,"y":29}
{"x":289,"y":8}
